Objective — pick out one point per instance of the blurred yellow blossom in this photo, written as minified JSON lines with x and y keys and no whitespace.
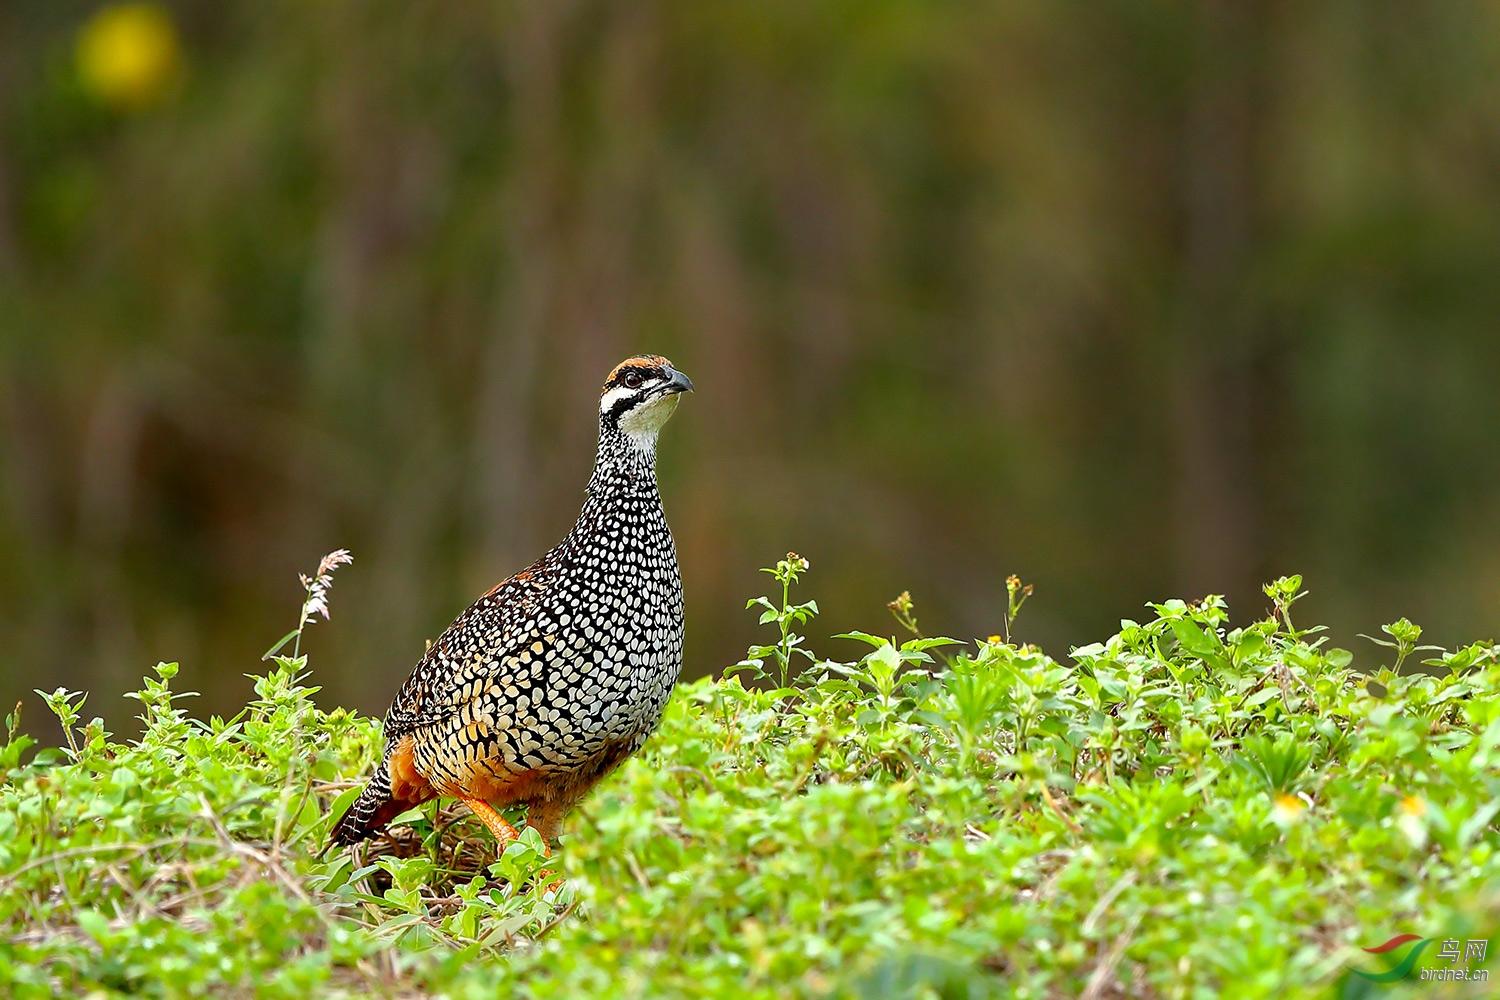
{"x":128,"y":55}
{"x":1287,"y":809}
{"x":1412,"y":819}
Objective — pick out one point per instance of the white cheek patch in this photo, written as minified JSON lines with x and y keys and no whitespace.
{"x":609,"y":399}
{"x":644,"y":422}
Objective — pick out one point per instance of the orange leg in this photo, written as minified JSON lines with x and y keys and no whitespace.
{"x":503,"y":831}
{"x":546,"y":819}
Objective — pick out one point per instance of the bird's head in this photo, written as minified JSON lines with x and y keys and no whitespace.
{"x":638,"y":397}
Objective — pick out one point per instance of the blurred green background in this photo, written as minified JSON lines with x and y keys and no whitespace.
{"x":1131,"y":298}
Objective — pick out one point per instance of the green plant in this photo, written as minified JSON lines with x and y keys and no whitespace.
{"x":1285,"y":592}
{"x":785,"y":615}
{"x":315,"y":590}
{"x":1403,"y":639}
{"x":1186,"y":807}
{"x":1016,"y":595}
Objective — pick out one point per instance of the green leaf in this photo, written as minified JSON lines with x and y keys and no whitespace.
{"x":1251,"y":644}
{"x":279,"y":643}
{"x":411,"y":815}
{"x":1193,"y":638}
{"x":918,"y":645}
{"x":873,"y":640}
{"x":1262,"y":696}
{"x":94,"y":924}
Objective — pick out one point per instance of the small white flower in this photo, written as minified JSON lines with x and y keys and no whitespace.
{"x":332,"y":561}
{"x":319,"y":585}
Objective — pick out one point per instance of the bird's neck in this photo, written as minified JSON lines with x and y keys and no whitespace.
{"x":623,"y":486}
{"x":626,"y":465}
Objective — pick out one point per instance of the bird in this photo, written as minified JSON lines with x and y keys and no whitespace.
{"x":558,"y":674}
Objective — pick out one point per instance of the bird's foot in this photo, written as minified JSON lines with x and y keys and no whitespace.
{"x":503,"y":831}
{"x":544,"y":874}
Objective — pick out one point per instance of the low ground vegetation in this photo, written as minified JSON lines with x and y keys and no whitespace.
{"x":1190,"y":807}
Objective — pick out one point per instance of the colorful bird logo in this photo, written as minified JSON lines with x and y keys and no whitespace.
{"x":1402,"y":968}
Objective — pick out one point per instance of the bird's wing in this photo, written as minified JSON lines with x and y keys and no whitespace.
{"x":491,"y":631}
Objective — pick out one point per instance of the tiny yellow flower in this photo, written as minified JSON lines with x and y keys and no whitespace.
{"x":1411,"y":820}
{"x":128,"y":55}
{"x":1288,"y":808}
{"x":1414,"y":805}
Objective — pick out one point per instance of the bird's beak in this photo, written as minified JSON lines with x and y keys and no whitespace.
{"x":679,"y":382}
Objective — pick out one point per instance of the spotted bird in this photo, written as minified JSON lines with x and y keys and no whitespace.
{"x":557,"y":674}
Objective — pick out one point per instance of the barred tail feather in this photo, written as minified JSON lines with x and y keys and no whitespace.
{"x":368,"y":814}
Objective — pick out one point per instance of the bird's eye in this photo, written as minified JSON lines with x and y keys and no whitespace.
{"x":632,"y":379}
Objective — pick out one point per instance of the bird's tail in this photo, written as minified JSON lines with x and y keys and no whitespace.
{"x":368,"y":814}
